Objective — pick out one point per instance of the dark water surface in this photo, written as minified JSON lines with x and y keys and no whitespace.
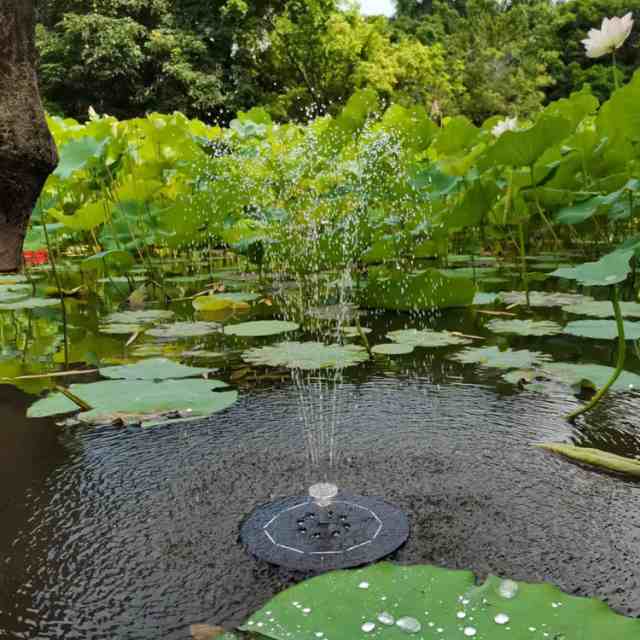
{"x":133,"y":534}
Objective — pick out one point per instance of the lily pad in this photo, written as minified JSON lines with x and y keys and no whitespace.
{"x":148,"y":316}
{"x":610,"y":269}
{"x":354,"y":332}
{"x":220,"y":301}
{"x":603,"y":309}
{"x":602,"y":329}
{"x":494,"y":358}
{"x":138,"y":399}
{"x":596,"y":458}
{"x":482,"y":298}
{"x":259,"y":328}
{"x":396,"y":602}
{"x":184,"y":330}
{"x":427,"y":338}
{"x":152,"y":369}
{"x":543,"y":298}
{"x":13,"y":293}
{"x":525,"y":327}
{"x":121,"y":329}
{"x":307,"y":355}
{"x":12,"y":279}
{"x":29,"y":303}
{"x":393,"y":349}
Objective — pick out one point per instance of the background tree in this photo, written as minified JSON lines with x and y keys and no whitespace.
{"x":27,"y":151}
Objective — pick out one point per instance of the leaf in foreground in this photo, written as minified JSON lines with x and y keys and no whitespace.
{"x":140,"y":399}
{"x":380,"y":599}
{"x":307,"y":355}
{"x":595,"y":457}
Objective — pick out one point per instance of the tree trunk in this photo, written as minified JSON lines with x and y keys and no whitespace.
{"x":27,"y":151}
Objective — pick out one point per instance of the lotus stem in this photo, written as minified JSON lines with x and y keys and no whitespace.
{"x":523,"y":260}
{"x":622,"y":349}
{"x":614,"y":67}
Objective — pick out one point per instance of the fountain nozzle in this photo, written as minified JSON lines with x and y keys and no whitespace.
{"x":323,"y":493}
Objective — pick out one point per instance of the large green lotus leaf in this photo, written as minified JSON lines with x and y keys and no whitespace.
{"x":148,"y":316}
{"x":595,"y":457}
{"x":392,"y":349}
{"x":427,"y":338}
{"x":184,"y":330}
{"x":29,"y":303}
{"x":603,"y":309}
{"x":495,"y":358}
{"x":447,"y":604}
{"x":307,"y":355}
{"x":114,"y":258}
{"x":602,"y":329}
{"x":476,"y":203}
{"x":75,"y":155}
{"x":523,"y":148}
{"x":152,"y":369}
{"x":619,"y":117}
{"x":610,"y":269}
{"x":456,"y":136}
{"x":543,"y":298}
{"x":576,"y":375}
{"x":430,"y":289}
{"x":260,"y":328}
{"x":220,"y":301}
{"x":87,"y":217}
{"x":140,"y":398}
{"x":525,"y":327}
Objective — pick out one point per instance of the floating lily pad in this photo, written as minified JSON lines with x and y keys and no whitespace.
{"x":260,"y":328}
{"x":525,"y":327}
{"x":29,"y":303}
{"x":427,"y":338}
{"x":205,"y":355}
{"x":482,"y":298}
{"x":602,"y":329}
{"x":393,"y":349}
{"x":148,"y":316}
{"x":152,"y":369}
{"x":543,"y":298}
{"x":154,"y":349}
{"x":121,"y":329}
{"x":354,"y":332}
{"x":220,"y":301}
{"x":307,"y":355}
{"x":610,"y":269}
{"x":494,"y":358}
{"x":138,"y":399}
{"x":12,"y":279}
{"x":596,"y":458}
{"x":391,"y":601}
{"x":603,"y":309}
{"x":576,"y":375}
{"x":193,"y":279}
{"x":184,"y":330}
{"x":13,"y":293}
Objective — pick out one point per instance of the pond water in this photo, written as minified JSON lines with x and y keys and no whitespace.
{"x":130,"y":532}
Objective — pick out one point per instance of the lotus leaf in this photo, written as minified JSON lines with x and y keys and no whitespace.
{"x":393,"y":349}
{"x":139,"y":399}
{"x":603,"y":309}
{"x":29,"y":303}
{"x":12,"y":279}
{"x":152,"y":369}
{"x":149,"y":316}
{"x":482,"y":298}
{"x":220,"y":301}
{"x":543,"y":298}
{"x":307,"y":355}
{"x":596,"y":458}
{"x":610,"y":269}
{"x":495,"y":358}
{"x":259,"y":328}
{"x":445,"y":603}
{"x":184,"y":330}
{"x":525,"y":327}
{"x":602,"y":329}
{"x":121,"y":328}
{"x":354,"y":332}
{"x":13,"y":293}
{"x":427,"y":338}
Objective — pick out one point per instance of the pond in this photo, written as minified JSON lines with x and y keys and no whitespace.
{"x":130,"y":531}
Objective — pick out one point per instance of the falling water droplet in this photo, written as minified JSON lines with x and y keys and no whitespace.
{"x":501,"y":618}
{"x":410,"y":625}
{"x":461,"y":615}
{"x":363,"y":585}
{"x":367,"y":627}
{"x":508,"y":589}
{"x":386,"y":618}
{"x":469,"y":632}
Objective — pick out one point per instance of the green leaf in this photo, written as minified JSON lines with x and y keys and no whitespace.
{"x":76,"y":154}
{"x":307,"y":355}
{"x":148,"y":316}
{"x":337,"y":605}
{"x":152,"y":369}
{"x":426,"y":338}
{"x":429,"y":289}
{"x":595,"y":457}
{"x":260,"y":328}
{"x":184,"y":330}
{"x":87,"y":217}
{"x":493,"y":357}
{"x":602,"y":329}
{"x":105,"y":259}
{"x":29,"y":303}
{"x":140,"y":400}
{"x":476,"y":203}
{"x":610,"y":269}
{"x":523,"y":148}
{"x":392,"y":349}
{"x":603,"y":309}
{"x":543,"y":298}
{"x":456,"y":136}
{"x":525,"y":327}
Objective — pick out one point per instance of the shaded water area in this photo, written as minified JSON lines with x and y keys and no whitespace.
{"x":133,"y":533}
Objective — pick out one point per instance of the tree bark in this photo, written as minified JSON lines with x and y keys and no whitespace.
{"x":27,"y":150}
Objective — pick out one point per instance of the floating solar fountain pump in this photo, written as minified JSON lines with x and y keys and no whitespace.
{"x":324,"y":530}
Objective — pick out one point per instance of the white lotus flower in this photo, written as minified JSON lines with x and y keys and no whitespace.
{"x":508,"y":124}
{"x":611,"y":36}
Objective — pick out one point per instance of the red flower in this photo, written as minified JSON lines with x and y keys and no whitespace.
{"x":34,"y":258}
